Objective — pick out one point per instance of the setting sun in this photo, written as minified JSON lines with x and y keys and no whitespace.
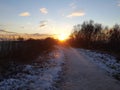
{"x":62,"y":37}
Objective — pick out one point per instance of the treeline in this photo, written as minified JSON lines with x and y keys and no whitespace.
{"x":24,"y":50}
{"x":96,"y":36}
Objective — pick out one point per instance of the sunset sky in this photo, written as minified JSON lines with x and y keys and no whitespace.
{"x":55,"y":16}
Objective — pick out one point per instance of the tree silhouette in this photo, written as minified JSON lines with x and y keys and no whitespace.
{"x":93,"y":35}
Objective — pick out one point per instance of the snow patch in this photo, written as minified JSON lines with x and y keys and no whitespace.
{"x":33,"y":77}
{"x":105,"y":61}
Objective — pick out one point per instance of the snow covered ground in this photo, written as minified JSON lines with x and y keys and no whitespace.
{"x":43,"y":76}
{"x":105,"y":61}
{"x":35,"y":76}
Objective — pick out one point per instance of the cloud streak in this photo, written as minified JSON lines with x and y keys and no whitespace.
{"x":43,"y":24}
{"x":76,"y":14}
{"x":43,"y":10}
{"x":24,"y":14}
{"x":118,"y":5}
{"x":73,"y":5}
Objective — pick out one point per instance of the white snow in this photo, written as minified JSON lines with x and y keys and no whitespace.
{"x":43,"y":77}
{"x":105,"y":61}
{"x":33,"y":77}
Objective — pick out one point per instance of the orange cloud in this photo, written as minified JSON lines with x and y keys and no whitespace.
{"x":24,"y":14}
{"x":76,"y":14}
{"x":43,"y":10}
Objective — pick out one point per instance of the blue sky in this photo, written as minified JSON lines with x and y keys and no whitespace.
{"x":55,"y":16}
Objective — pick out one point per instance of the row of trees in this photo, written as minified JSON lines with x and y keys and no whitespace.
{"x":96,"y":36}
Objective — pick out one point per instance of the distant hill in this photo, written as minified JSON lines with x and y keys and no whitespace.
{"x":6,"y":35}
{"x":6,"y":32}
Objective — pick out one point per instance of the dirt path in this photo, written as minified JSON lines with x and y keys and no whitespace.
{"x":81,"y":74}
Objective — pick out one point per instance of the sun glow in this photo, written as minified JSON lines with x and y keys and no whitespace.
{"x":62,"y":37}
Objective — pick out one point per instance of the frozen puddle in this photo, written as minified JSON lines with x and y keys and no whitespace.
{"x":33,"y":77}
